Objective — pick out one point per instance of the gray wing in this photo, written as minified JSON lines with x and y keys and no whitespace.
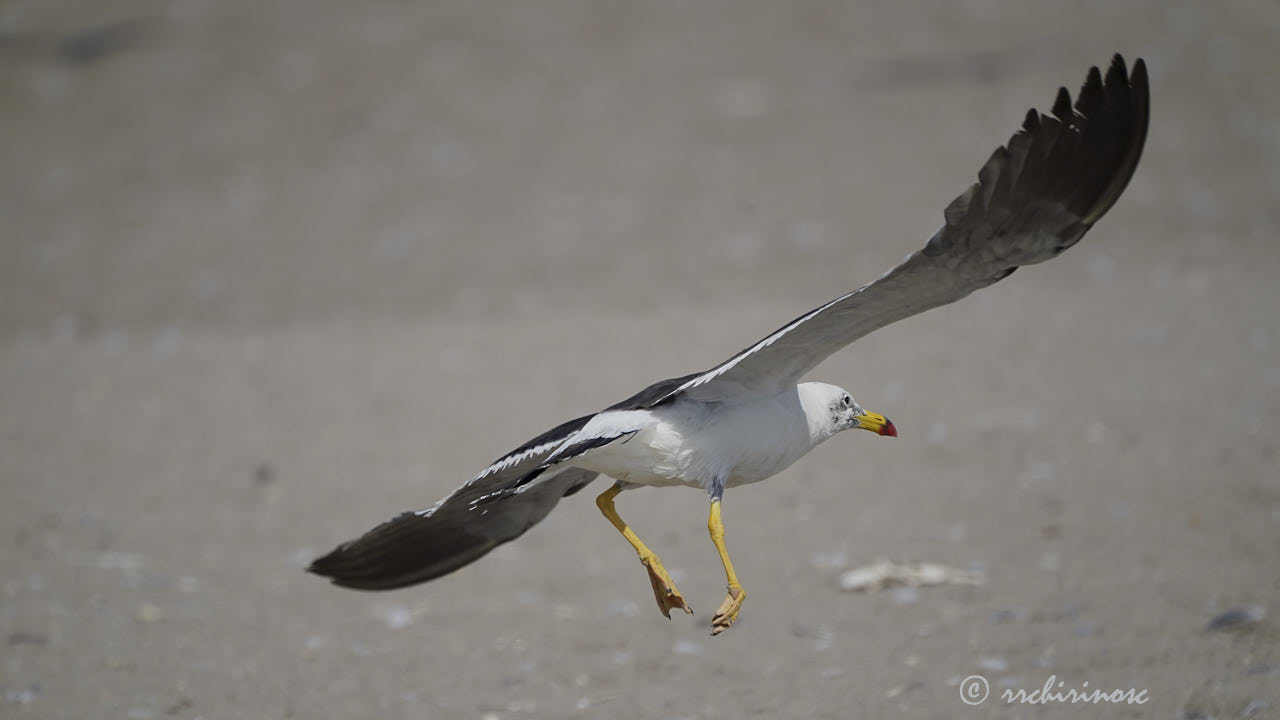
{"x":1034,"y":198}
{"x":415,"y":547}
{"x":498,"y":505}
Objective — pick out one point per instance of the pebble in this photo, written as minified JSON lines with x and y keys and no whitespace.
{"x":301,"y":557}
{"x":397,"y":617}
{"x":625,"y":608}
{"x":1253,"y":708}
{"x":28,"y":638}
{"x":1085,"y":629}
{"x":25,"y":696}
{"x":263,"y":474}
{"x":993,"y":664}
{"x":1238,"y":618}
{"x":1002,"y":615}
{"x":119,"y":561}
{"x":149,"y":613}
{"x":687,"y":647}
{"x":829,"y":560}
{"x":313,"y":645}
{"x":522,"y":706}
{"x":906,"y":595}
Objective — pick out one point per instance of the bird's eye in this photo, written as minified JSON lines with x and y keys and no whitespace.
{"x":847,"y":400}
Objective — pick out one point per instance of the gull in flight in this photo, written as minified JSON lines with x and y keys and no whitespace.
{"x":750,"y":417}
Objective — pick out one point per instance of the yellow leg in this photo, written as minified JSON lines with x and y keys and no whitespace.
{"x":728,"y":611}
{"x":664,"y":591}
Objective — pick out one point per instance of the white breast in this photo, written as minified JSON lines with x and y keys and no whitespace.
{"x":692,"y":443}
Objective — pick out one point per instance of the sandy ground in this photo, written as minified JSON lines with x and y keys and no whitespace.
{"x":270,"y":275}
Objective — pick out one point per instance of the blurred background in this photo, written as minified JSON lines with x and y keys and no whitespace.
{"x":272,"y":273}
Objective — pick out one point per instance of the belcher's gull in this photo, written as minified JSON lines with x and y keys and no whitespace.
{"x":747,"y":419}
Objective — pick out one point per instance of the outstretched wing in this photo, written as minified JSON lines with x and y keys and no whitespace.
{"x":498,"y":505}
{"x":1034,"y":198}
{"x":493,"y":508}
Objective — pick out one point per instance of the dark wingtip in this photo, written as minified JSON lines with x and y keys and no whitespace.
{"x":406,"y":550}
{"x":1062,"y":105}
{"x":323,"y":565}
{"x":1139,"y":71}
{"x":1093,"y":78}
{"x":1117,"y":71}
{"x":1031,"y":122}
{"x":333,"y":566}
{"x":1128,"y":98}
{"x":1062,"y":170}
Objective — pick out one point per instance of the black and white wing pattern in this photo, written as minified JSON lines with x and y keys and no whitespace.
{"x":414,"y":547}
{"x":1035,"y":197}
{"x":498,"y":505}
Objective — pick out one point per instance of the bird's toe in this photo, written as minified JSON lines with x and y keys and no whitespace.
{"x":728,"y":610}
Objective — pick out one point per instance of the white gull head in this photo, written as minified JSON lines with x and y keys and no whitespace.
{"x":831,"y":409}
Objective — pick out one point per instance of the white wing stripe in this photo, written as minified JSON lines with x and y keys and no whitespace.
{"x":731,"y":363}
{"x":516,"y":458}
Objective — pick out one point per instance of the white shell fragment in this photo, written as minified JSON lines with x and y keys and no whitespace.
{"x":884,"y":573}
